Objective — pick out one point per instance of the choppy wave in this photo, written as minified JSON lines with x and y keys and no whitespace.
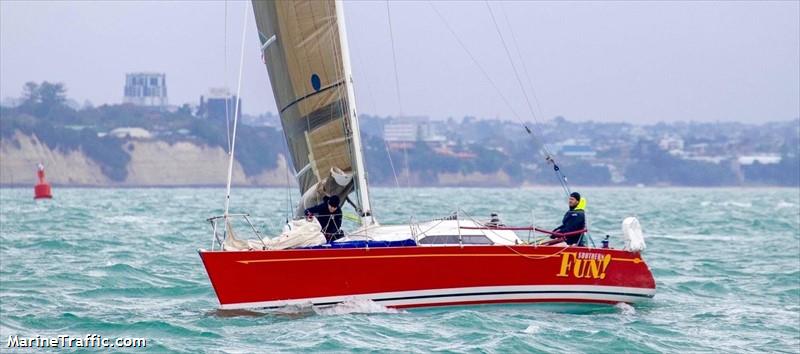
{"x":124,"y":263}
{"x":626,"y":309}
{"x":354,"y":306}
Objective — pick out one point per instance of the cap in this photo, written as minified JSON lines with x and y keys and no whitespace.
{"x":333,"y":201}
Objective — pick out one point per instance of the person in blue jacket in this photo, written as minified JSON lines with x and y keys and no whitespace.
{"x":574,"y":220}
{"x":329,"y":215}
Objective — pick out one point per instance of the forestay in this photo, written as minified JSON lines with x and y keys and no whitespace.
{"x":309,"y":70}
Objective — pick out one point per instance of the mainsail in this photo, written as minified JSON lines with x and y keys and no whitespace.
{"x":305,"y":50}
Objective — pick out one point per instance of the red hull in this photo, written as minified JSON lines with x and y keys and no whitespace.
{"x":427,"y":276}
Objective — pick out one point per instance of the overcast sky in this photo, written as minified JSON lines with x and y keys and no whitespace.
{"x":606,"y":61}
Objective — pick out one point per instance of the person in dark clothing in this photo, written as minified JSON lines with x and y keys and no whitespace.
{"x":573,"y":220}
{"x":329,"y":215}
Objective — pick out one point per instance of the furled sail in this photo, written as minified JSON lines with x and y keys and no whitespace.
{"x":307,"y":60}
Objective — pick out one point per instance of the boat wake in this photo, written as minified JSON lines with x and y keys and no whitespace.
{"x":354,"y":306}
{"x":235,"y":313}
{"x":625,"y":309}
{"x":306,"y":310}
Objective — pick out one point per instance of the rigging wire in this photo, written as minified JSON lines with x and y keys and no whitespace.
{"x":562,"y":179}
{"x":472,"y":57}
{"x":527,"y":74}
{"x":288,"y":165}
{"x":225,"y":78}
{"x":546,"y":152}
{"x":394,"y":59}
{"x":391,"y":163}
{"x":524,"y":66}
{"x":407,"y":168}
{"x":236,"y":115}
{"x":516,"y":74}
{"x":399,"y":100}
{"x":371,"y":98}
{"x":508,"y":54}
{"x":548,"y":157}
{"x":560,"y":176}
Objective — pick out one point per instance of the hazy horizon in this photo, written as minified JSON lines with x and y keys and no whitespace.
{"x":603,"y":61}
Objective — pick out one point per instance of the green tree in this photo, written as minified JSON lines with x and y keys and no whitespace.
{"x":43,"y":99}
{"x":30,"y":96}
{"x":52,"y":94}
{"x":185,"y":110}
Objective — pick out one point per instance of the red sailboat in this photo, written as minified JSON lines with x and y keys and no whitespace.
{"x":428,"y":274}
{"x":455,"y":260}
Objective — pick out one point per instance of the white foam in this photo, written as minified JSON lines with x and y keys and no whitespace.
{"x":295,"y":309}
{"x":532,"y":329}
{"x":354,"y":306}
{"x":728,"y":204}
{"x":783,"y":204}
{"x":625,"y":308}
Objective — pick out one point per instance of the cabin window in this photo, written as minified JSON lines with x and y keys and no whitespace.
{"x":453,"y":239}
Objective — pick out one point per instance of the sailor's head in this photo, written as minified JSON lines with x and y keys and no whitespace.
{"x":574,"y":199}
{"x":333,"y":203}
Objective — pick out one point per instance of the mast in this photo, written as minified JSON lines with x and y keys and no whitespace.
{"x":352,"y":118}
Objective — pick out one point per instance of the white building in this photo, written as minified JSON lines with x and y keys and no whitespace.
{"x":411,"y":129}
{"x":761,"y":159}
{"x":146,"y":89}
{"x":579,"y":148}
{"x":130,"y":133}
{"x":400,"y":132}
{"x":670,"y":143}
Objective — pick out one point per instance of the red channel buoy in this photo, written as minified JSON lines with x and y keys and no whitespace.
{"x":42,"y":189}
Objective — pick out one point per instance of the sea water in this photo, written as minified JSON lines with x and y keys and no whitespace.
{"x":123,"y":263}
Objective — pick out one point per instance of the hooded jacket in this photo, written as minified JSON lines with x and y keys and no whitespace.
{"x":573,"y":220}
{"x":330,"y":222}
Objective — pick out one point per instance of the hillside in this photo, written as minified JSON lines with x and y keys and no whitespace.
{"x":126,"y":145}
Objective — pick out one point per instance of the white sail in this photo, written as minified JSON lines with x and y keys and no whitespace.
{"x":305,"y":51}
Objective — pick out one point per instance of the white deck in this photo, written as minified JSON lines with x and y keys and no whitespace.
{"x":437,"y":232}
